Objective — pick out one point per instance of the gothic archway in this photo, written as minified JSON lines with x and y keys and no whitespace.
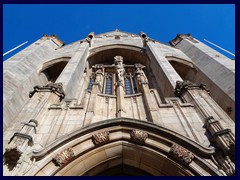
{"x":124,"y":142}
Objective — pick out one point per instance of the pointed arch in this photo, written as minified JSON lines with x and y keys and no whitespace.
{"x":154,"y":155}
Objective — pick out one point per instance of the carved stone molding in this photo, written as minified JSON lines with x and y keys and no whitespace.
{"x":139,"y":135}
{"x":22,"y":136}
{"x":64,"y":156}
{"x":101,"y":137}
{"x":224,"y":163}
{"x":30,"y":125}
{"x":183,"y":86}
{"x":50,"y":87}
{"x":180,"y":37}
{"x":66,"y":104}
{"x":182,"y":153}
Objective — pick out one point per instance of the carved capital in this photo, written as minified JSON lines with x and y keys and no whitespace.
{"x":50,"y":87}
{"x":139,"y":135}
{"x":64,"y":156}
{"x":183,"y":86}
{"x":182,"y":153}
{"x":101,"y":137}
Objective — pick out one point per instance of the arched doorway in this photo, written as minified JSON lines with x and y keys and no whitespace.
{"x":125,"y":145}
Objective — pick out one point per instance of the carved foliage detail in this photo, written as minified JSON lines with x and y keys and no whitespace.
{"x":101,"y":137}
{"x":182,"y":153}
{"x":64,"y":156}
{"x":139,"y":135}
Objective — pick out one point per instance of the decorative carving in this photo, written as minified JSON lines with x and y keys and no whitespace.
{"x":11,"y":157}
{"x":180,"y":37}
{"x":182,"y":153}
{"x":224,"y":162}
{"x":98,"y":75}
{"x":183,"y":86}
{"x":24,"y":136}
{"x":139,"y":135}
{"x":140,"y":75}
{"x":101,"y":137}
{"x":50,"y":87}
{"x":63,"y":157}
{"x":24,"y":164}
{"x":223,"y":138}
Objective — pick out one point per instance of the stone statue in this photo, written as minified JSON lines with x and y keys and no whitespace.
{"x":119,"y":67}
{"x":139,"y":74}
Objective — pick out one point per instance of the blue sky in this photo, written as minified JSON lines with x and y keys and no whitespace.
{"x":72,"y":22}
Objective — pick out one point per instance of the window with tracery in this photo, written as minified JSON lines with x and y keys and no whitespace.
{"x":109,"y":77}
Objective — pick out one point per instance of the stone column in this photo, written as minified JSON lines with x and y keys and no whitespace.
{"x":151,"y":106}
{"x":217,"y":123}
{"x":96,"y":88}
{"x":72,"y":73}
{"x":162,"y":69}
{"x":20,"y":142}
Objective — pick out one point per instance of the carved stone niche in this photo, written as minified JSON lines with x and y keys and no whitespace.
{"x":139,"y":135}
{"x":63,"y":157}
{"x":101,"y":137}
{"x":11,"y":157}
{"x":182,"y":153}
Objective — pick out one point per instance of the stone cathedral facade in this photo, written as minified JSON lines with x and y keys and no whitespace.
{"x":119,"y":103}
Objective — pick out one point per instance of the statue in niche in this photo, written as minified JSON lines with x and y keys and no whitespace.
{"x":139,"y":74}
{"x":99,"y":73}
{"x":119,"y":67}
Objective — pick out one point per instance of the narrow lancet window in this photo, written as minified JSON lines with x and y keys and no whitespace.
{"x":128,"y":86}
{"x":134,"y":85}
{"x":108,"y":86}
{"x":90,"y":84}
